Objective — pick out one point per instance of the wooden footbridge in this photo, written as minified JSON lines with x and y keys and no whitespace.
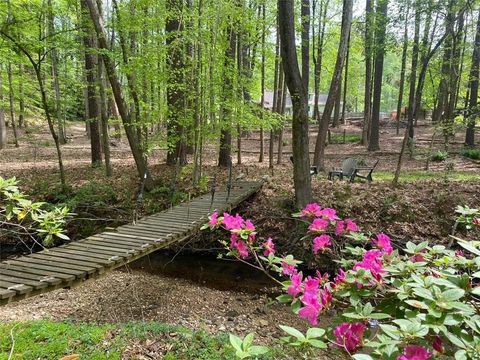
{"x":76,"y":262}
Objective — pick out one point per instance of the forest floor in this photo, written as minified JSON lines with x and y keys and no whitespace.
{"x":420,"y":208}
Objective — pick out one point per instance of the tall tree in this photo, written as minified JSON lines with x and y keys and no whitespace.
{"x":334,"y":85}
{"x":91,"y":64}
{"x":296,"y":87}
{"x":380,"y":30}
{"x":318,"y":55}
{"x":133,"y":141}
{"x":11,"y":96}
{"x":3,"y":126}
{"x":367,"y":106}
{"x":473,"y":91}
{"x":402,"y":70}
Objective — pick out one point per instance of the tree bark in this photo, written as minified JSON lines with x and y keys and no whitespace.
{"x":367,"y":110}
{"x":21,"y":99}
{"x":91,"y":63}
{"x":262,"y":84}
{"x":3,"y":126}
{"x":473,"y":101}
{"x":318,"y":59}
{"x":293,"y":78}
{"x":345,"y":82}
{"x":11,"y":97}
{"x":319,"y":155}
{"x":402,"y":71}
{"x":380,"y":27}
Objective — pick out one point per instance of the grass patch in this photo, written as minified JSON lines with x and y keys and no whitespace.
{"x":54,"y":340}
{"x":426,"y":175}
{"x":349,"y":138}
{"x":472,"y":154}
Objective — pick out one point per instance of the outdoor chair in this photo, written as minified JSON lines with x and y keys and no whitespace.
{"x":351,"y":170}
{"x":313,"y":169}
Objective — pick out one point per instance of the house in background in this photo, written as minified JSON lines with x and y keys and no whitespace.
{"x":322,"y":99}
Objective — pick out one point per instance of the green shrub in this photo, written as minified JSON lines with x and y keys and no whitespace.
{"x":472,"y":154}
{"x":439,"y":156}
{"x":349,"y":138}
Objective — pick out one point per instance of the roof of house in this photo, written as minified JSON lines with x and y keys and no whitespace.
{"x":268,"y":100}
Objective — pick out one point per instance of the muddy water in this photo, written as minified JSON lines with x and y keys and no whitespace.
{"x":205,"y":270}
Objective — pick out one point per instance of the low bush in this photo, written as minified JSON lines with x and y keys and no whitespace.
{"x":411,"y":302}
{"x":472,"y":154}
{"x":439,"y":156}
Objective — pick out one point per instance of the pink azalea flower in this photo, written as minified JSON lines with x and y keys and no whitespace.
{"x":326,"y":297}
{"x":312,"y":307}
{"x":339,"y":227}
{"x":372,"y":261}
{"x":309,"y":313}
{"x":288,"y":269}
{"x":321,"y":243}
{"x":249,"y":225}
{"x":295,"y":288}
{"x":311,"y":210}
{"x":323,"y":279}
{"x":329,"y":214}
{"x":476,"y":221}
{"x":242,"y":249}
{"x":318,"y":225}
{"x":232,"y":222}
{"x":414,"y":352}
{"x":383,"y":243}
{"x":269,"y":247}
{"x":417,"y":258}
{"x":350,"y":226}
{"x":349,"y":335}
{"x":213,"y":219}
{"x":310,"y":286}
{"x":340,"y":278}
{"x":459,"y":253}
{"x":438,"y":344}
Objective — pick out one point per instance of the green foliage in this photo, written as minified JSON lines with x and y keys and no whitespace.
{"x":349,"y":138}
{"x":244,"y":348}
{"x":439,"y":156}
{"x":19,"y":214}
{"x":472,"y":154}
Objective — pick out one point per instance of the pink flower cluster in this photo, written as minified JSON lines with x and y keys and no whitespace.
{"x":349,"y":335}
{"x":314,"y":298}
{"x":373,"y":259}
{"x":414,"y":352}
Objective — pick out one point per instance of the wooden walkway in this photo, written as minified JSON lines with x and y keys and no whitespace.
{"x":74,"y":263}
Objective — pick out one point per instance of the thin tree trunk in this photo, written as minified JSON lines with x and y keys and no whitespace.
{"x":21,"y":99}
{"x":301,"y":165}
{"x":367,"y":111}
{"x":338,"y":99}
{"x":3,"y":126}
{"x":402,"y":71}
{"x":411,"y":96}
{"x":262,"y":86}
{"x":140,"y":162}
{"x":280,"y":135}
{"x":345,"y":82}
{"x":319,"y":57}
{"x":319,"y":156}
{"x":474,"y":75}
{"x":380,"y":27}
{"x":12,"y":106}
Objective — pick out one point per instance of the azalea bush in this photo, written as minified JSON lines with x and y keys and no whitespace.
{"x":22,"y":217}
{"x":414,"y":302}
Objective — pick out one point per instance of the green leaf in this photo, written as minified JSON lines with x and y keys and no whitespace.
{"x":417,"y":304}
{"x":257,"y":350}
{"x":285,"y":298}
{"x":476,"y":290}
{"x":292,"y":331}
{"x":236,"y":342}
{"x":248,"y":340}
{"x":453,"y":294}
{"x":362,"y":357}
{"x":379,"y":316}
{"x":315,"y":333}
{"x":317,"y":343}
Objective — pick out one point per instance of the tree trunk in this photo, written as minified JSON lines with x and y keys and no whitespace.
{"x":402,"y":71}
{"x":367,"y":110}
{"x":3,"y":126}
{"x":262,"y":85}
{"x":177,"y":152}
{"x":305,"y":16}
{"x":12,"y":106}
{"x":224,"y":156}
{"x":411,"y":96}
{"x":317,"y":60}
{"x":117,"y":92}
{"x":21,"y":100}
{"x":56,"y":83}
{"x":103,"y":107}
{"x":91,"y":63}
{"x":474,"y":75}
{"x":345,"y":82}
{"x":293,"y":78}
{"x":380,"y":27}
{"x":319,"y":156}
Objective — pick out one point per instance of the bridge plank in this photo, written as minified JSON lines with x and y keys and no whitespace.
{"x":28,"y":262}
{"x":19,"y":288}
{"x":49,"y":280}
{"x":62,"y":258}
{"x":39,"y":272}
